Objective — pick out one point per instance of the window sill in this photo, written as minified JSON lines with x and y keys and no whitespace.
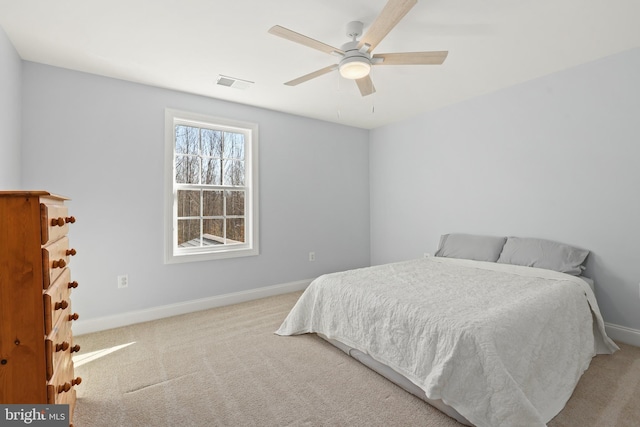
{"x":209,"y":256}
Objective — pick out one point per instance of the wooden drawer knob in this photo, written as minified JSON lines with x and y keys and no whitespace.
{"x":61,"y":263}
{"x":61,"y":305}
{"x":57,"y":221}
{"x":73,"y":317}
{"x":70,"y":219}
{"x":67,"y":386}
{"x":73,"y":284}
{"x":64,"y":346}
{"x":75,"y":349}
{"x":71,"y":252}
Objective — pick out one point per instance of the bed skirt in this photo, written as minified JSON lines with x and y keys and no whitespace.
{"x":396,"y":378}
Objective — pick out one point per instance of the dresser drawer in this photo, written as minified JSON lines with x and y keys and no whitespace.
{"x":59,"y":345}
{"x":54,"y":222}
{"x":61,"y":387}
{"x":57,"y":299}
{"x":55,"y":257}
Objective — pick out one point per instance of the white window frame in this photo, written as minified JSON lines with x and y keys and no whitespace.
{"x":175,"y":254}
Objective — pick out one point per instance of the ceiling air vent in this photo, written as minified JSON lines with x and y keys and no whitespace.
{"x":233,"y":82}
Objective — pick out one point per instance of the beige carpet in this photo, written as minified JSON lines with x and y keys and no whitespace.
{"x":225,"y":367}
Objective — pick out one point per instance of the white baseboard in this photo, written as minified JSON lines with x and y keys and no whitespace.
{"x":622,"y":333}
{"x":124,"y":319}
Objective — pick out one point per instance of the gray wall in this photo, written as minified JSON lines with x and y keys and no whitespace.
{"x":100,"y":141}
{"x":553,"y":158}
{"x":10,"y":107}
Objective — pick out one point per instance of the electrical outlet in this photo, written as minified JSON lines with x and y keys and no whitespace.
{"x":312,"y":256}
{"x":123,"y":281}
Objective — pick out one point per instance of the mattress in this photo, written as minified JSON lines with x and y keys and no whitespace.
{"x":502,"y":345}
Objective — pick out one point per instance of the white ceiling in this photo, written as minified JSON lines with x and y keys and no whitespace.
{"x":185,"y":44}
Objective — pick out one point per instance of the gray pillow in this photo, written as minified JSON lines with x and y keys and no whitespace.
{"x":471,"y":246}
{"x":545,"y":254}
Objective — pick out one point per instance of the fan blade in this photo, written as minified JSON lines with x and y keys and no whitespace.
{"x":392,"y":13}
{"x":313,"y":75}
{"x":365,"y":85}
{"x":303,"y":40}
{"x":411,"y":58}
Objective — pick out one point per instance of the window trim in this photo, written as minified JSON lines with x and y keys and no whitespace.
{"x":251,"y":245}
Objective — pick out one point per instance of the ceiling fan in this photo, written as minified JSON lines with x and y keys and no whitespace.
{"x":355,"y":56}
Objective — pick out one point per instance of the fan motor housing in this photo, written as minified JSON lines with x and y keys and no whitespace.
{"x":351,"y":50}
{"x":356,"y":62}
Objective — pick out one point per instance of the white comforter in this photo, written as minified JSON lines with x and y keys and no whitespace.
{"x":503,"y":345}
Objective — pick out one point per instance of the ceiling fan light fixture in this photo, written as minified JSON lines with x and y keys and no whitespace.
{"x":355,"y":67}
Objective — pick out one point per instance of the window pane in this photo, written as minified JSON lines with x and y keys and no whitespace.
{"x":212,"y":203}
{"x":188,"y":232}
{"x":213,"y":231}
{"x":211,"y":171}
{"x":188,"y":203}
{"x":235,"y":202}
{"x":187,"y":169}
{"x":186,"y":140}
{"x":235,"y":230}
{"x":234,"y":146}
{"x":211,"y":143}
{"x":233,"y":172}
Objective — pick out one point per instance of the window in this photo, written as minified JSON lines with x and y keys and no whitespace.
{"x":211,"y":187}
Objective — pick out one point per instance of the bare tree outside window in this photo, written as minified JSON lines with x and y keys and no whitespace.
{"x":211,"y":203}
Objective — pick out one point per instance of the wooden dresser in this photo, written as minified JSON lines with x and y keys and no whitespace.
{"x":36,"y":343}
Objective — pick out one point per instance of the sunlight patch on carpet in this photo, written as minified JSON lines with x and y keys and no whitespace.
{"x":94,"y":355}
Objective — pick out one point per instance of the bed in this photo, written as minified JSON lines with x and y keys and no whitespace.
{"x":492,"y":331}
